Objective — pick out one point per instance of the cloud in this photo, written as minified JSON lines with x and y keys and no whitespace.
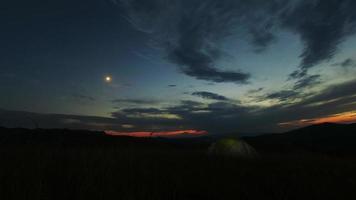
{"x":192,"y":115}
{"x":307,"y":81}
{"x":261,"y":39}
{"x":322,"y":25}
{"x":345,"y":117}
{"x":142,"y":111}
{"x":211,"y":74}
{"x":303,"y":82}
{"x":298,"y":74}
{"x":253,"y":91}
{"x":287,"y":95}
{"x":340,"y":91}
{"x":282,"y":95}
{"x":197,"y":60}
{"x":349,"y":62}
{"x":216,"y":118}
{"x":189,"y":105}
{"x":333,"y":99}
{"x":190,"y":32}
{"x":297,"y":91}
{"x":210,"y":95}
{"x":135,"y":101}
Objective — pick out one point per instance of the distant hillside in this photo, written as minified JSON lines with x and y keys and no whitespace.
{"x":19,"y":136}
{"x":59,"y":138}
{"x":323,"y":138}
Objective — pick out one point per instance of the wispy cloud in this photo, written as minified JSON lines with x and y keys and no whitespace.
{"x":347,"y":63}
{"x":135,"y":101}
{"x":215,"y":117}
{"x":190,"y":32}
{"x":307,"y":81}
{"x":345,"y":117}
{"x":210,"y":95}
{"x":321,"y":31}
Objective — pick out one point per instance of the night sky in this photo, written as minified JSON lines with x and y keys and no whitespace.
{"x":187,"y":66}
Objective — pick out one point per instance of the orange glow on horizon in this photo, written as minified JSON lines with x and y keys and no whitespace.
{"x":346,"y":117}
{"x":157,"y":134}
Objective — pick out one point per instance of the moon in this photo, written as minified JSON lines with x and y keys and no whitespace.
{"x":108,"y":79}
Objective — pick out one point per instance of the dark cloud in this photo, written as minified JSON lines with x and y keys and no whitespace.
{"x":134,"y":101}
{"x":141,"y":111}
{"x":224,"y":106}
{"x":332,"y":100}
{"x":217,"y":118}
{"x":186,"y":106}
{"x":253,"y":91}
{"x":346,"y":63}
{"x":297,"y":91}
{"x":225,"y":116}
{"x":191,"y":31}
{"x":282,"y":95}
{"x":210,"y":83}
{"x":196,"y":56}
{"x":297,"y":74}
{"x":307,"y":81}
{"x":210,"y":95}
{"x":195,"y":50}
{"x":322,"y":26}
{"x":211,"y":74}
{"x":261,"y":39}
{"x":334,"y":92}
{"x":191,"y":104}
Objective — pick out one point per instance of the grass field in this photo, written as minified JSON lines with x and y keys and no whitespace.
{"x":131,"y":169}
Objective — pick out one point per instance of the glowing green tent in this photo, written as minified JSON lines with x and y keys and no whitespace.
{"x":232,"y":147}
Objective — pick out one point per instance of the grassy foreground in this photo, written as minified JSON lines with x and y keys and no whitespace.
{"x":145,"y":170}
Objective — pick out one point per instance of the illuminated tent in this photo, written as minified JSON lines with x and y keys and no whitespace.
{"x":232,"y":147}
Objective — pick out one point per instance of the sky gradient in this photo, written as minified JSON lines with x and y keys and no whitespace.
{"x":229,"y":66}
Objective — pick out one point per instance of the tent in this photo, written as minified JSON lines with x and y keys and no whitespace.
{"x":232,"y":147}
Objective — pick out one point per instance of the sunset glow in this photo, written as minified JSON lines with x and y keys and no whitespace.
{"x":346,"y":117}
{"x":158,"y":134}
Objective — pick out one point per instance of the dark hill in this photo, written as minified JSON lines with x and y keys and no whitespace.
{"x":321,"y":138}
{"x":65,"y":138}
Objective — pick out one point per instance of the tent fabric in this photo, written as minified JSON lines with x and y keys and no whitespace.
{"x":232,"y":147}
